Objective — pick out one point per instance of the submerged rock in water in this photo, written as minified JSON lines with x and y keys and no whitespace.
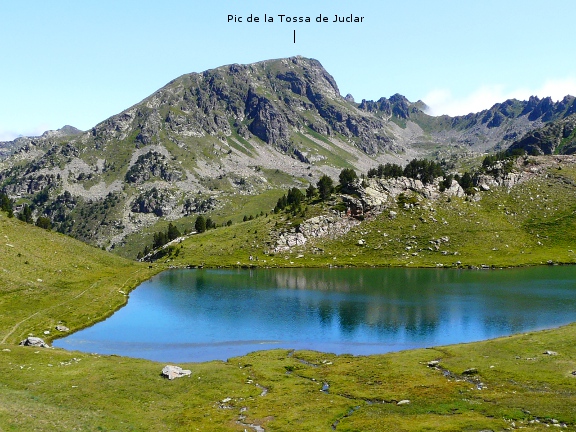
{"x":171,"y":372}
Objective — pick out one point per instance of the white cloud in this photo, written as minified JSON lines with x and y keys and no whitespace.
{"x":442,"y":101}
{"x":9,"y":135}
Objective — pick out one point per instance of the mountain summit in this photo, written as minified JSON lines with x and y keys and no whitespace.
{"x":205,"y":140}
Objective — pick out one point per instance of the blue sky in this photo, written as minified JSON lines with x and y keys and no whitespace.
{"x":77,"y":63}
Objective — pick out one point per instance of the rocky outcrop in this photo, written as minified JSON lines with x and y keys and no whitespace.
{"x":485,"y":181}
{"x":34,"y":342}
{"x":158,"y":202}
{"x":199,"y":205}
{"x":286,"y":241}
{"x":379,"y":194}
{"x":329,"y":226}
{"x":557,"y":137}
{"x":150,"y":165}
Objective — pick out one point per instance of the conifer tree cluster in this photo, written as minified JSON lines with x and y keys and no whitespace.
{"x":161,"y":238}
{"x":203,"y":224}
{"x":292,"y":200}
{"x":419,"y":169}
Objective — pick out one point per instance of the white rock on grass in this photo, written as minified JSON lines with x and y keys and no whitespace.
{"x":171,"y":372}
{"x":35,"y":342}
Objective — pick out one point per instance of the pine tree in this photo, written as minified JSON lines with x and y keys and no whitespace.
{"x":325,"y":187}
{"x":210,"y":223}
{"x":44,"y":222}
{"x":311,"y":191}
{"x":347,"y":176}
{"x":173,"y":232}
{"x":26,"y":214}
{"x":200,"y":224}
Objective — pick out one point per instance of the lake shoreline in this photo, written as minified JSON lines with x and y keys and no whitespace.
{"x":513,"y":370}
{"x":335,"y":278}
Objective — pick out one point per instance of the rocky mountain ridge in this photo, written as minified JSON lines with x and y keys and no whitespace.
{"x":556,"y":137}
{"x":238,"y":130}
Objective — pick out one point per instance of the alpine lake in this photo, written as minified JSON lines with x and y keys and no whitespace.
{"x":202,"y":315}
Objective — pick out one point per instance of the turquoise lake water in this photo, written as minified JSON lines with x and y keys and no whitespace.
{"x":201,"y":315}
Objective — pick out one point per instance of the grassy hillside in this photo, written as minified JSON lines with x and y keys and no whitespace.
{"x":48,"y":278}
{"x":533,"y":223}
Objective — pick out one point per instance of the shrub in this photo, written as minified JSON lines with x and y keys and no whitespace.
{"x":44,"y":222}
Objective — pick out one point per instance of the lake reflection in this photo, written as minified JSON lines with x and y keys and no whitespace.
{"x":200,"y":315}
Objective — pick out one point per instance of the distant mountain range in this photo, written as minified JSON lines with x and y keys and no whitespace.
{"x":242,"y":130}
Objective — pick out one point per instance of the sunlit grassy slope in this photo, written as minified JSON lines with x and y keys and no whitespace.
{"x":532,"y":223}
{"x":48,"y":278}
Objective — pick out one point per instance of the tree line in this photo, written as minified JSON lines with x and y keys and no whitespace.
{"x":26,"y":214}
{"x":418,"y":169}
{"x":427,"y":171}
{"x":323,"y":191}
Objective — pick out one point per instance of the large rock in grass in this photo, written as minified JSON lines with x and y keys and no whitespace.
{"x":171,"y":372}
{"x":34,"y":342}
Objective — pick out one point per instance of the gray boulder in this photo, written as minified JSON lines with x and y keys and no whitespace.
{"x":34,"y":342}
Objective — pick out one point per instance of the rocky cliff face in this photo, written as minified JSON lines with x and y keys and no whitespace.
{"x":238,"y":129}
{"x":494,"y":128}
{"x":557,"y":137}
{"x":270,"y":100}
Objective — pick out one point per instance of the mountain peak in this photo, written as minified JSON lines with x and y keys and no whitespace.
{"x":236,"y":130}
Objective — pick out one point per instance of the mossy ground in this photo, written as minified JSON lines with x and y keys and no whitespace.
{"x":46,"y":389}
